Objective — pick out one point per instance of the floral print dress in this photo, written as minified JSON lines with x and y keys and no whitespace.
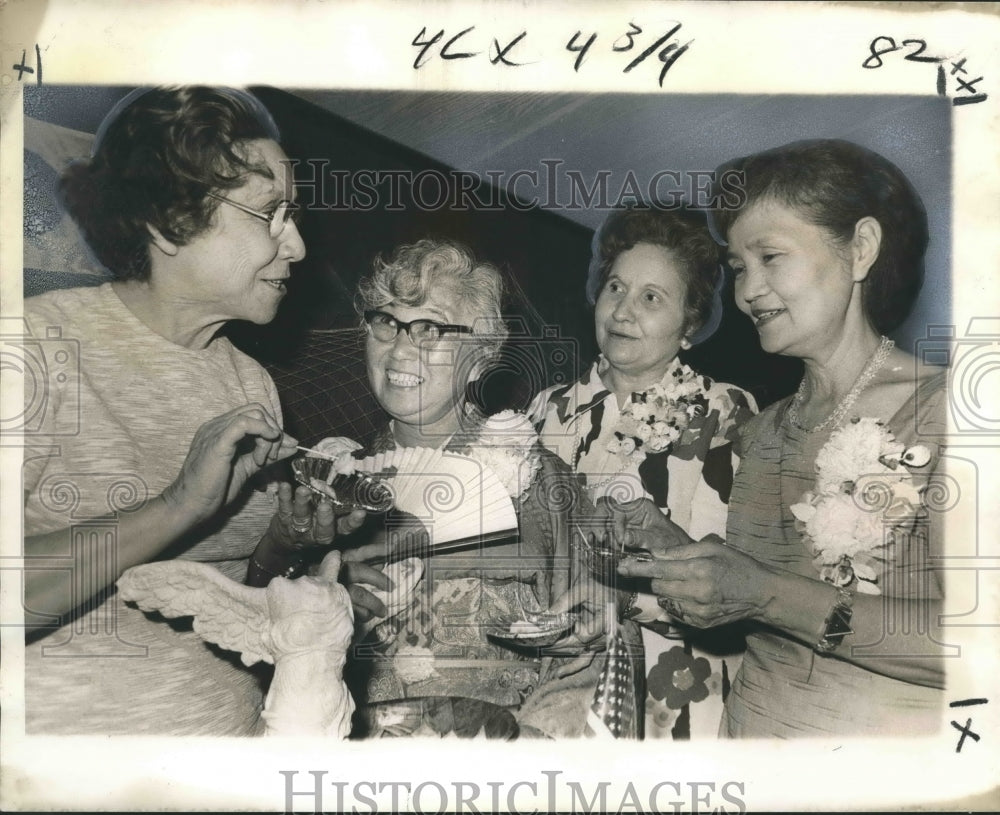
{"x":687,"y":672}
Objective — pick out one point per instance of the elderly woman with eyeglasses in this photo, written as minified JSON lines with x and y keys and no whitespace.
{"x":157,"y":431}
{"x":433,"y":322}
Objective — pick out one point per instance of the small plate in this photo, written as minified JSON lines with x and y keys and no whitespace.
{"x":534,"y":630}
{"x":346,"y":492}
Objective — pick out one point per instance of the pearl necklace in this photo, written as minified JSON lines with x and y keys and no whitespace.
{"x":867,"y":374}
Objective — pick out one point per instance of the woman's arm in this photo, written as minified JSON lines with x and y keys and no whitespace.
{"x":711,"y":584}
{"x":294,"y":527}
{"x":213,"y":474}
{"x":890,"y":636}
{"x":53,"y":592}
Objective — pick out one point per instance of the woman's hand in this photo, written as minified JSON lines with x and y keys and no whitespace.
{"x":303,"y":521}
{"x":595,"y":604}
{"x":395,"y":531}
{"x":356,"y":575}
{"x":704,"y":584}
{"x":590,"y":600}
{"x":640,"y":524}
{"x":298,"y":524}
{"x":225,"y":452}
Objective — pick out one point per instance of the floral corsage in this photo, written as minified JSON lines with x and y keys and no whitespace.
{"x":507,"y":445}
{"x":657,"y":417}
{"x":863,"y":494}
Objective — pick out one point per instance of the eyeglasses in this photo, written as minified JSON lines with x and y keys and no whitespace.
{"x":276,"y":218}
{"x":386,"y":328}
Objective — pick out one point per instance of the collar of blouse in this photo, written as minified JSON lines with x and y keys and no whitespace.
{"x":589,"y":391}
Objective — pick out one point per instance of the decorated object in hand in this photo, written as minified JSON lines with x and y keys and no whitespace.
{"x":602,"y":554}
{"x":535,"y":629}
{"x":346,"y":491}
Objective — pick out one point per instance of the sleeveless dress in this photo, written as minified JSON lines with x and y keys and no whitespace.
{"x":784,"y":689}
{"x":686,"y":673}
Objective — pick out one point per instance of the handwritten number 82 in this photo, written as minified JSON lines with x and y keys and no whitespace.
{"x":886,"y":45}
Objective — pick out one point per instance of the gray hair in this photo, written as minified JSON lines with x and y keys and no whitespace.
{"x":413,"y":270}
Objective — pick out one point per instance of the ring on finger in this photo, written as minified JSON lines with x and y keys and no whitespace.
{"x":672,"y":607}
{"x":301,"y":525}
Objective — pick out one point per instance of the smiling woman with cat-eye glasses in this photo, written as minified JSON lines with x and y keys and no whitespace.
{"x":432,"y":317}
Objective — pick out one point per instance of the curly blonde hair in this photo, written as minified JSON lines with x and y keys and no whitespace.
{"x":413,"y":270}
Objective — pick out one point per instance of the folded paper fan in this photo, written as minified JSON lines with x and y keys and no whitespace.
{"x":456,"y":497}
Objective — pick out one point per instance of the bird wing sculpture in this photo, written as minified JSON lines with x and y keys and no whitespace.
{"x":303,"y":626}
{"x":226,"y":613}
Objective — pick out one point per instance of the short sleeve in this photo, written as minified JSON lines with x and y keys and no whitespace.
{"x":272,"y":392}
{"x":50,"y":370}
{"x":920,"y":547}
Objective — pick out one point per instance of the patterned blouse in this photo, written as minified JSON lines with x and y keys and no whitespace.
{"x":686,"y":677}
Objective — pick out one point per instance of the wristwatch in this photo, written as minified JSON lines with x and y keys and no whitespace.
{"x":837,"y":624}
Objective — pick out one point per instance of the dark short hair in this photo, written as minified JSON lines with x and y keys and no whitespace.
{"x":155,"y":157}
{"x":681,"y":231}
{"x":834,"y":184}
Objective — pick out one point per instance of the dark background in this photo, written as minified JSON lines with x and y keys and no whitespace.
{"x":544,"y":250}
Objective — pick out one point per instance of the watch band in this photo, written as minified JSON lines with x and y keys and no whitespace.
{"x":837,"y":624}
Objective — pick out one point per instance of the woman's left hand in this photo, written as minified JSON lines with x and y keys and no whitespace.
{"x":703,"y":584}
{"x":303,"y":521}
{"x":297,"y":525}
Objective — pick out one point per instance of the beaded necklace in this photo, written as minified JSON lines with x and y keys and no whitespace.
{"x":872,"y":367}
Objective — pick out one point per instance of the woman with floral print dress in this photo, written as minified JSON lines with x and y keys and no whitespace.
{"x":641,"y":424}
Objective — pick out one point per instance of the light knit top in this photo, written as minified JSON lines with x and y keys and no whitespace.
{"x":114,"y":407}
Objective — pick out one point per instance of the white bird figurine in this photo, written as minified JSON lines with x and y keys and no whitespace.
{"x":303,"y":626}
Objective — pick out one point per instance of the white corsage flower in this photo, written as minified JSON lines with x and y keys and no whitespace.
{"x":862,"y":495}
{"x":655,"y":419}
{"x":508,"y":428}
{"x":855,"y":449}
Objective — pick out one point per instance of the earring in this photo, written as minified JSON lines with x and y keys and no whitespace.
{"x":685,"y":344}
